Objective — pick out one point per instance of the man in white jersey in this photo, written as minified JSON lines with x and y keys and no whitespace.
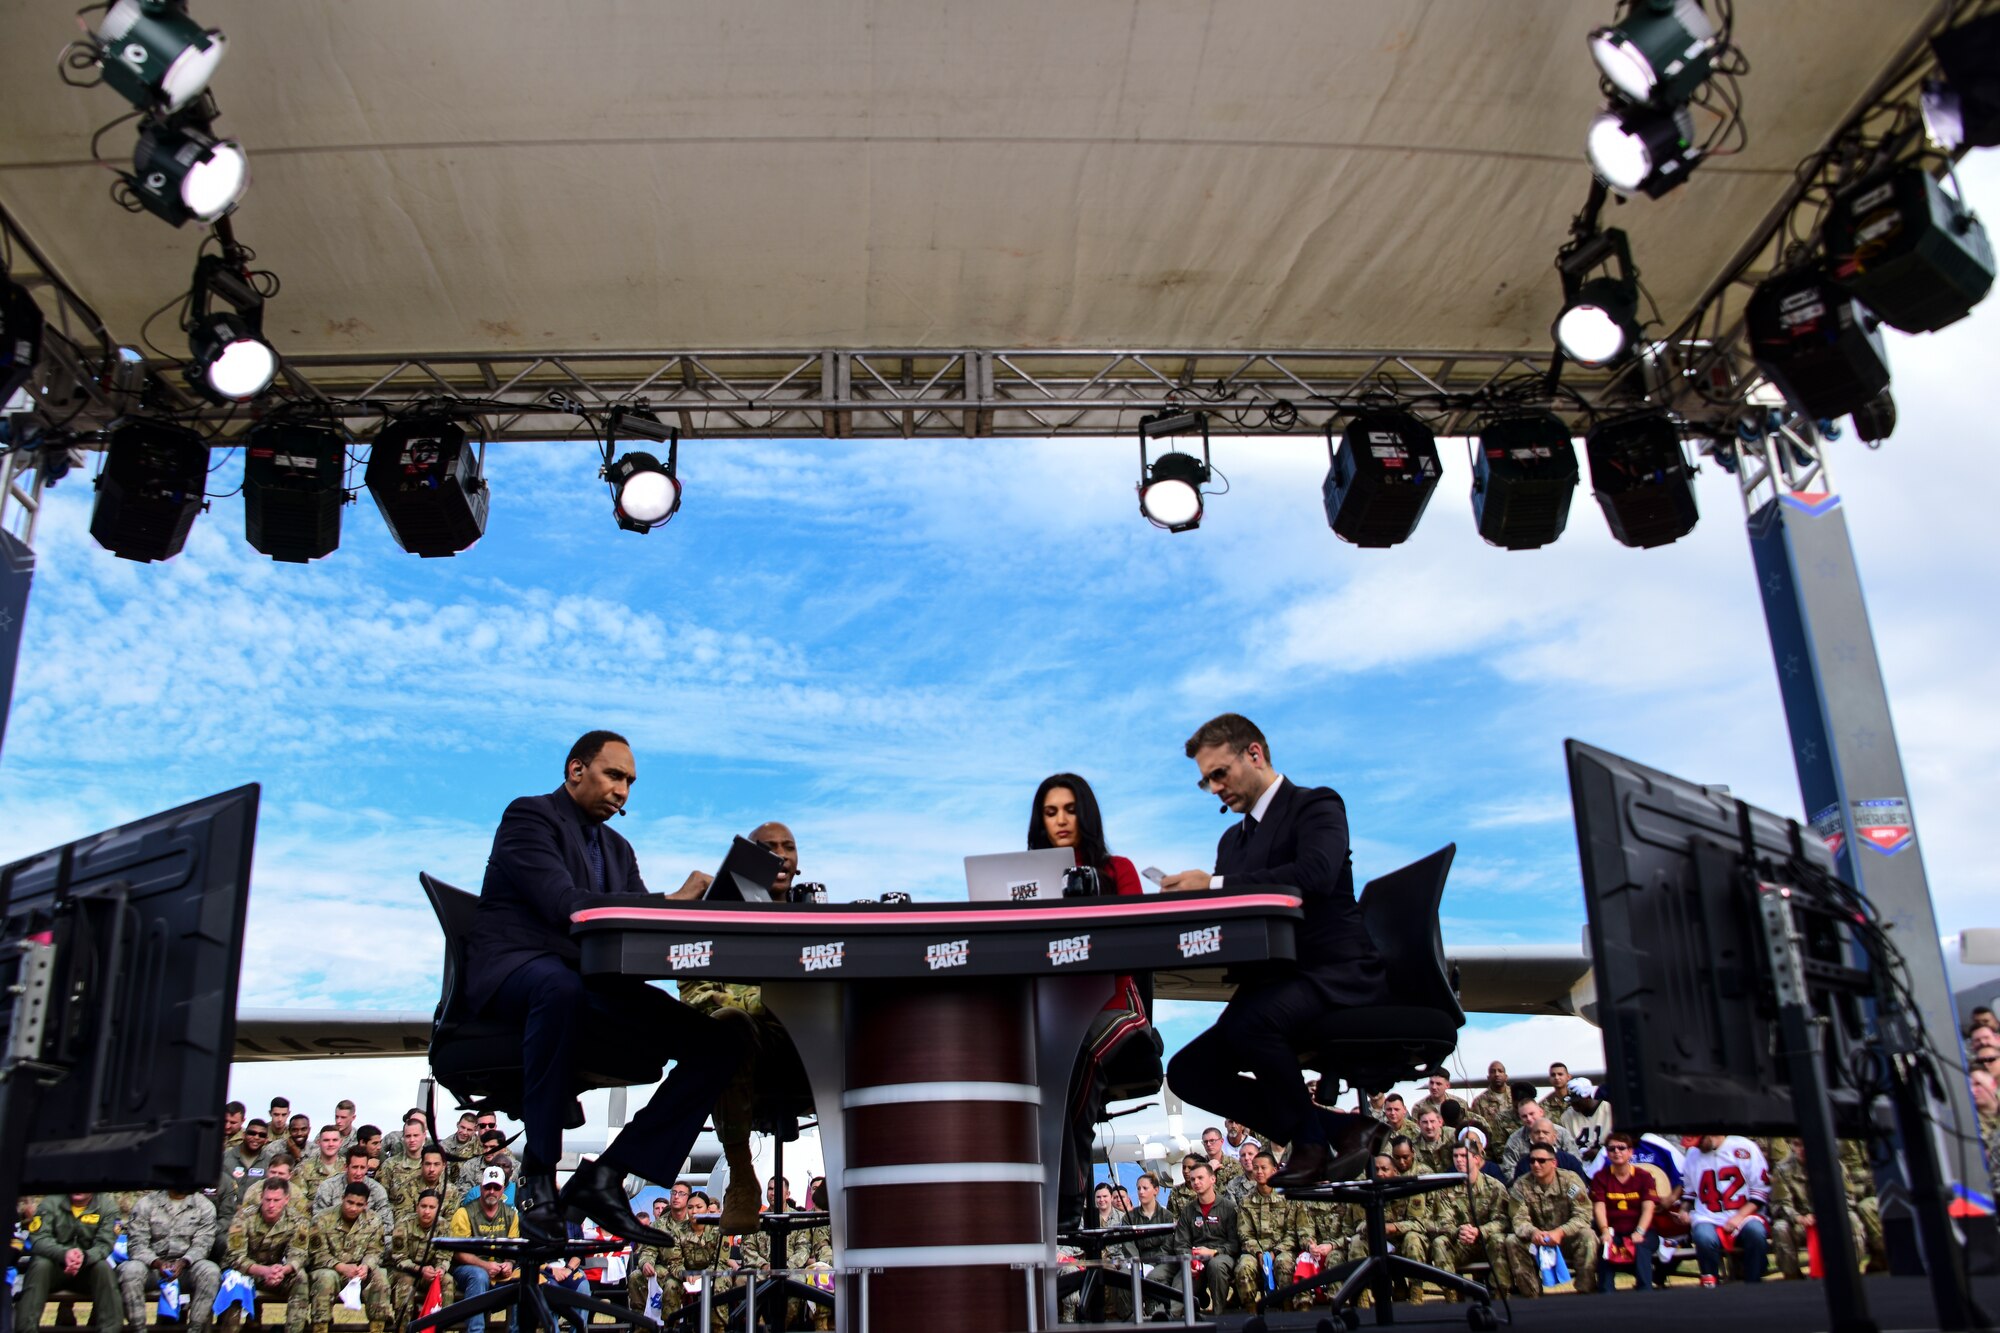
{"x":1727,"y":1184}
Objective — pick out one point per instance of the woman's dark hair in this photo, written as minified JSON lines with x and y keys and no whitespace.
{"x":1090,"y":848}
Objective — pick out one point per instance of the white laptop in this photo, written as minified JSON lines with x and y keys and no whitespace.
{"x":1017,"y":876}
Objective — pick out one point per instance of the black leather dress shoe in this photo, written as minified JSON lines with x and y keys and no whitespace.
{"x":535,"y":1201}
{"x":597,"y":1191}
{"x":1306,"y":1165}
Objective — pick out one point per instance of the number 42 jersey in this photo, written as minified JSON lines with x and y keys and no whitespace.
{"x":1720,"y":1182}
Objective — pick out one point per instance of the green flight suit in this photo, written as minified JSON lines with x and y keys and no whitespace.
{"x":57,"y":1228}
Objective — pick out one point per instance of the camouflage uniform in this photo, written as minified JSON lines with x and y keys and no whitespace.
{"x":1861,"y":1196}
{"x":1433,"y":1157}
{"x":813,"y":1248}
{"x":1434,"y":1104}
{"x":1265,"y":1224}
{"x":1555,"y":1103}
{"x":1791,"y":1199}
{"x":335,"y":1240}
{"x":53,"y":1232}
{"x":397,"y":1168}
{"x":403,"y":1196}
{"x":1563,"y":1207}
{"x":695,"y":1254}
{"x":327,"y":1198}
{"x":1179,"y":1197}
{"x":1488,"y":1206}
{"x":1239,"y":1189}
{"x":1496,"y":1114}
{"x":164,"y":1227}
{"x":308,"y":1175}
{"x":255,"y":1242}
{"x":732,"y":1108}
{"x":404,"y":1262}
{"x":1411,"y":1218}
{"x":240,"y":1174}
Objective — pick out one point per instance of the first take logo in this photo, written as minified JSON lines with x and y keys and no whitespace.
{"x":1206,"y":940}
{"x":1075,"y":949}
{"x":689,"y":957}
{"x":952,"y":953}
{"x":820,"y":957}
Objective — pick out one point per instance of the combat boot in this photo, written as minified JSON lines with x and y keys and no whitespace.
{"x":740,"y":1205}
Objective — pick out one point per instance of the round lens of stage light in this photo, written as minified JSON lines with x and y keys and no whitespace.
{"x":216,"y":181}
{"x":1590,"y":335}
{"x":1171,"y":503}
{"x":243,"y":368}
{"x":1623,"y":63}
{"x":1618,"y":156}
{"x":188,"y":75}
{"x":649,"y":497}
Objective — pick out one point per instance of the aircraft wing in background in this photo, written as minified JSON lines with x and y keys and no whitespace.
{"x":329,"y":1034}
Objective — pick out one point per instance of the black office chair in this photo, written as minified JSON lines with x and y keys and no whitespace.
{"x":478,"y":1060}
{"x":1373,"y":1048}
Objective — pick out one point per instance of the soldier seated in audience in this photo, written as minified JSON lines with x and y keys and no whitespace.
{"x":412,"y":1261}
{"x":1433,"y":1147}
{"x":1226,"y":1167}
{"x":298,"y":1138}
{"x":270,"y":1245}
{"x":328,"y":1163}
{"x":1494,"y":1107}
{"x":1206,"y":1229}
{"x":431,"y":1175}
{"x":334,"y":1188}
{"x":1436,"y":1096}
{"x":1792,"y":1214}
{"x":69,"y":1249}
{"x":1406,"y":1220}
{"x":345,"y":1243}
{"x":407,"y":1158}
{"x":295,"y":1199}
{"x":1242,"y":1185}
{"x":1470,"y":1223}
{"x":243,"y":1168}
{"x":1396,"y":1114}
{"x":1267,"y":1235}
{"x":1557,"y":1100}
{"x":1551,"y":1208}
{"x":169,"y":1239}
{"x":1404,"y":1154}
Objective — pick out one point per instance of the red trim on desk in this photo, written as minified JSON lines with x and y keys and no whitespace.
{"x":1021,"y":916}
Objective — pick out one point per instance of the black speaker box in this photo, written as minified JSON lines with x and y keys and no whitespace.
{"x":1907,"y":250}
{"x":1523,"y":476}
{"x":424,"y":475}
{"x":1819,"y":346}
{"x":1641,"y":478}
{"x":292,"y":490}
{"x":150,"y":489}
{"x":1381,"y":479}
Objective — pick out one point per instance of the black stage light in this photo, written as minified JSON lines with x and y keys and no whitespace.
{"x":426,"y":479}
{"x":155,"y":55}
{"x":1907,"y":250}
{"x":293,"y":488}
{"x":1661,"y":51}
{"x":1641,"y":478}
{"x":183,"y":173}
{"x":1816,"y":343}
{"x":1599,"y":323}
{"x":1381,"y":477}
{"x":1875,"y":420}
{"x":20,"y":337}
{"x":645,"y":493}
{"x":1642,"y":149}
{"x":150,"y":489}
{"x":227,"y":360}
{"x":1969,"y":57}
{"x":1170,"y":485}
{"x":1523,"y":476}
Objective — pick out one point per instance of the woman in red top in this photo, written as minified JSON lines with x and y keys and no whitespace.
{"x":1065,"y":815}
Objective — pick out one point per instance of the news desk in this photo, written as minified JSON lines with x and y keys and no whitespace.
{"x":939,"y":1039}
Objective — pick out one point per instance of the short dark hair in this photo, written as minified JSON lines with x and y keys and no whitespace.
{"x":1624,"y":1136}
{"x":285,"y":1102}
{"x":429,"y":1194}
{"x":1395,"y":1097}
{"x":1554,"y":1065}
{"x":357,"y":1151}
{"x":1234,"y":730}
{"x":1264,"y":1155}
{"x":432,"y":1149}
{"x":232,"y":1108}
{"x":1401,"y":1141}
{"x":1148,"y":1175}
{"x":1453,"y":1112}
{"x":587,"y":747}
{"x":1523,"y":1094}
{"x":355,"y":1189}
{"x":249,"y":1125}
{"x":368,"y":1132}
{"x":282,"y":1186}
{"x":297,"y":1118}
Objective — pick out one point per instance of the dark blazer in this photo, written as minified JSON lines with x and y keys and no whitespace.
{"x":1301,"y":844}
{"x":537,"y":874}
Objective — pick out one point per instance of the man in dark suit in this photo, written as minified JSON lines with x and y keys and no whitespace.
{"x":551,"y":855}
{"x":1295,"y":837}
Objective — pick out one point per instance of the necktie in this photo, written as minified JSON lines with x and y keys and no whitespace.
{"x":593,"y":846}
{"x":1249,"y":828}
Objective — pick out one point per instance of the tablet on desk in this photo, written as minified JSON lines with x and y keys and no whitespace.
{"x":746,"y":874}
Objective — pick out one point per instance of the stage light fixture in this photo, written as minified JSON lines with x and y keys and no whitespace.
{"x":1524,"y":474}
{"x":20,"y":337}
{"x":1661,"y":51}
{"x":428,"y":483}
{"x":1642,"y":149}
{"x":1170,"y":483}
{"x":1907,"y":250}
{"x":645,"y":493}
{"x":1875,"y":420}
{"x":230,"y":363}
{"x":149,"y":490}
{"x":1599,"y":323}
{"x":1380,"y":478}
{"x":1819,"y":346}
{"x":1969,"y":96}
{"x":183,"y":173}
{"x":1641,"y":478}
{"x":293,"y":488}
{"x":155,"y":55}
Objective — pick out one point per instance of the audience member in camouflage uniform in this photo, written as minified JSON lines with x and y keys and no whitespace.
{"x":1267,"y":1223}
{"x":1181,"y":1195}
{"x":702,"y":1250}
{"x":170,"y":1235}
{"x":1557,"y":1100}
{"x":346,"y":1243}
{"x":812,"y":1248}
{"x":271,"y":1245}
{"x":431,"y":1174}
{"x":1407,"y":1221}
{"x":1244,"y":1183}
{"x":1432,"y":1145}
{"x":1472,"y":1222}
{"x":1551,"y":1207}
{"x":1861,"y":1197}
{"x":404,"y":1161}
{"x":281,"y":1169}
{"x":243,"y":1169}
{"x":69,"y":1249}
{"x":1437,"y":1093}
{"x":1792,"y":1212}
{"x":412,"y":1262}
{"x":322,"y":1166}
{"x":1494,"y":1108}
{"x":330,"y":1192}
{"x":1216,"y":1147}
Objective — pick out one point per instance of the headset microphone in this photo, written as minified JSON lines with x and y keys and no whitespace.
{"x":1223,"y":809}
{"x":621,"y":809}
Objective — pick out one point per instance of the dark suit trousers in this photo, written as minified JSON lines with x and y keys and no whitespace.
{"x":566,"y":1020}
{"x":1258,"y":1031}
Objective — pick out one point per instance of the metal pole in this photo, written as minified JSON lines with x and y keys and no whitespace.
{"x":1187,"y":1290}
{"x":17,"y":573}
{"x":707,"y":1302}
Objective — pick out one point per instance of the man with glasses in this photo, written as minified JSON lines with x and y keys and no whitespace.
{"x":1220,"y":1161}
{"x":1624,"y":1201}
{"x":1295,"y":837}
{"x":1551,"y":1208}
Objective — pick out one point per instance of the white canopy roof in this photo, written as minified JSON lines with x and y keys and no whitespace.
{"x":473,"y":176}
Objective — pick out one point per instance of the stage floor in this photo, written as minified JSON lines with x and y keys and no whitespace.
{"x":1901,"y":1304}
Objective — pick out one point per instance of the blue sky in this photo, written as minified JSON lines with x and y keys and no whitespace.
{"x":887,"y":644}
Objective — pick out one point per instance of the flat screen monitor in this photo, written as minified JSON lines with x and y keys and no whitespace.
{"x":142,"y":928}
{"x":1684,"y":991}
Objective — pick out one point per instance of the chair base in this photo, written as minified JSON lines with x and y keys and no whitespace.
{"x":1378,"y":1273}
{"x":539,"y":1305}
